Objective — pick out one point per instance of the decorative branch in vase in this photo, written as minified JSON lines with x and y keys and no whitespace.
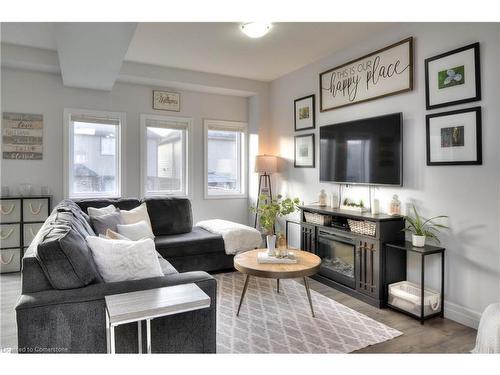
{"x":268,"y":212}
{"x":421,"y":228}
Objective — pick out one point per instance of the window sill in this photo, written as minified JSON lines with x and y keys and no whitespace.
{"x":78,"y":197}
{"x":226,"y":196}
{"x":163,"y":194}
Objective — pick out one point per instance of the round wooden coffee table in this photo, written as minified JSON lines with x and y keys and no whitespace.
{"x":307,"y":264}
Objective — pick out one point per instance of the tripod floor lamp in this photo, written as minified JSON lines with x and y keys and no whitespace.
{"x":265,"y":165}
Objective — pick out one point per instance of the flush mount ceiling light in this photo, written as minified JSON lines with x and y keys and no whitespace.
{"x":255,"y":29}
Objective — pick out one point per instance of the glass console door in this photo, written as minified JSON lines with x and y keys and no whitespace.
{"x":337,"y":255}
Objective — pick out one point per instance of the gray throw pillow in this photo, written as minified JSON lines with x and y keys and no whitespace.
{"x":108,"y":221}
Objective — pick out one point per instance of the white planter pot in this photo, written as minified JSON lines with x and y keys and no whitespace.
{"x":271,"y":245}
{"x":417,"y":241}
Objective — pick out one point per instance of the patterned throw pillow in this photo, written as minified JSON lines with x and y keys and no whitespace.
{"x":119,"y":260}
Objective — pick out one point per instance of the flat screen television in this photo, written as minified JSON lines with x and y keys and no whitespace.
{"x":367,"y":151}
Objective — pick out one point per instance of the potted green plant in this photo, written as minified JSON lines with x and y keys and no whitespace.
{"x":421,"y":228}
{"x":349,"y":204}
{"x":268,"y":211}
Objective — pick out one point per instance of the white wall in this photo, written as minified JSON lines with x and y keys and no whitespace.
{"x":33,"y":92}
{"x":468,"y":194}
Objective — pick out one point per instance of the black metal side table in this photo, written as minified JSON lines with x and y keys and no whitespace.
{"x":423,"y":252}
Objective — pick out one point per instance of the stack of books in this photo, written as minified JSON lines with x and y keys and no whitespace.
{"x":263,"y":257}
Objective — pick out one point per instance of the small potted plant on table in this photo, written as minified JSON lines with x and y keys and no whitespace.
{"x":420,"y":228}
{"x":268,"y":211}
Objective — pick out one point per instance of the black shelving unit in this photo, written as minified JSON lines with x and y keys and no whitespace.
{"x":423,"y":252}
{"x":22,"y":220}
{"x":372,"y":268}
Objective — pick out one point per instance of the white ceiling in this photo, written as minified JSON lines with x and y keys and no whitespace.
{"x":222,"y":48}
{"x":31,"y":34}
{"x":219,"y":47}
{"x":78,"y":44}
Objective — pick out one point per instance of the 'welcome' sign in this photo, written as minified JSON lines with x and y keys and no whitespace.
{"x":385,"y":72}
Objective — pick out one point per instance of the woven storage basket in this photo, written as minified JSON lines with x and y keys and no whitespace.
{"x":318,"y":219}
{"x":362,"y":227}
{"x":407,"y":296}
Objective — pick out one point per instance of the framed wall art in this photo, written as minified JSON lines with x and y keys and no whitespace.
{"x":166,"y":101}
{"x":454,"y":137}
{"x":453,"y":77}
{"x":22,"y":136}
{"x":304,"y":151}
{"x":304,"y":113}
{"x":388,"y":71}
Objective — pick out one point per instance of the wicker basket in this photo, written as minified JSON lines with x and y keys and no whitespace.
{"x":362,"y":227}
{"x":318,"y":219}
{"x":407,"y":296}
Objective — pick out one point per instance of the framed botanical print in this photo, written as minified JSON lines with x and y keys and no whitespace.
{"x":304,"y":151}
{"x":166,"y":101}
{"x":453,"y":77}
{"x":304,"y":113}
{"x":454,"y":137}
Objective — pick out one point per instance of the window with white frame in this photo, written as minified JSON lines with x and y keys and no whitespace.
{"x":164,"y":154}
{"x":225,"y":159}
{"x":93,"y":153}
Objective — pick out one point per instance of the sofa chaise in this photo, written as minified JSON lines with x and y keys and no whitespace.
{"x":61,"y":308}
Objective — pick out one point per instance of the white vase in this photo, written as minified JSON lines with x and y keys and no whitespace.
{"x":334,"y":203}
{"x":25,"y":189}
{"x":271,"y":245}
{"x":417,"y":241}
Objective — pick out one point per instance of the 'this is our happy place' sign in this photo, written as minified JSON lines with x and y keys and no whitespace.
{"x":385,"y":72}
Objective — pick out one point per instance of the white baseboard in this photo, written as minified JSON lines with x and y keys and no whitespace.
{"x":461,"y":314}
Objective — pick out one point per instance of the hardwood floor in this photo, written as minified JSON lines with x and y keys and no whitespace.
{"x":10,"y":290}
{"x":436,"y":336}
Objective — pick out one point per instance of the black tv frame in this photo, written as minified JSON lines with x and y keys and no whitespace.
{"x":366,"y":183}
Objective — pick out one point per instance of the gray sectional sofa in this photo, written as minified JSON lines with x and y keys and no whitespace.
{"x":61,"y":308}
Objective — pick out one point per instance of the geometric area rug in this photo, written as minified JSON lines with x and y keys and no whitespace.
{"x":282,"y":323}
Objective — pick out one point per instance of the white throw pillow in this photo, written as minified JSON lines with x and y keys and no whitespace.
{"x":112,"y":235}
{"x":137,"y":214}
{"x":119,"y":260}
{"x":136,"y":231}
{"x":96,"y":212}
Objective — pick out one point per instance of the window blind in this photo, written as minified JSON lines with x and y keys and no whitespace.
{"x":166,"y":124}
{"x":94,"y":119}
{"x":224,"y":126}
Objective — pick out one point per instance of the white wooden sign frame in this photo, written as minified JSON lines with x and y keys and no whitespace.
{"x":166,"y":101}
{"x":385,"y":72}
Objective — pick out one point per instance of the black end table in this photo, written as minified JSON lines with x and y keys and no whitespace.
{"x":423,"y":252}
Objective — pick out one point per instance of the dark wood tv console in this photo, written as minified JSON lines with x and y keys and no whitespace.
{"x":354,"y":263}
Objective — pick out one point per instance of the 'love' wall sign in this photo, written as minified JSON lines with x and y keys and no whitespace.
{"x":385,"y":72}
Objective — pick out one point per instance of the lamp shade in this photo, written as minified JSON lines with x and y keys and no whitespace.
{"x":266,"y":164}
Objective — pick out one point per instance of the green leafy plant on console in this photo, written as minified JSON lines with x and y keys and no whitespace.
{"x":349,"y":203}
{"x":269,"y":210}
